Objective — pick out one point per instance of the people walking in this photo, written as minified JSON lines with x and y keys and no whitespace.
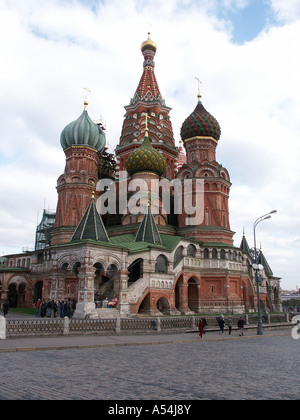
{"x":221,"y":324}
{"x":200,"y":327}
{"x":240,"y":325}
{"x":204,"y":323}
{"x":229,"y":323}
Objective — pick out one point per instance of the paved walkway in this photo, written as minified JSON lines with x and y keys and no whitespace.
{"x":33,"y":343}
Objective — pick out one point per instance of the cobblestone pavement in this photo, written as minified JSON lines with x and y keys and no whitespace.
{"x":264,"y":367}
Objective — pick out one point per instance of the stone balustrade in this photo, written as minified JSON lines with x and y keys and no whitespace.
{"x":66,"y":326}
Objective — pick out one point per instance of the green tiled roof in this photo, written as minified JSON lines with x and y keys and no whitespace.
{"x":91,"y":226}
{"x":127,"y":241}
{"x":262,"y":260}
{"x":244,"y":246}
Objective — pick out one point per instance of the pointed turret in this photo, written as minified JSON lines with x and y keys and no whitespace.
{"x":245,"y":246}
{"x":91,"y":225}
{"x":148,"y":231}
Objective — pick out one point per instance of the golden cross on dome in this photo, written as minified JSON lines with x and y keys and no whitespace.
{"x":199,"y":83}
{"x":87,"y":91}
{"x":93,"y":189}
{"x":146,"y":129}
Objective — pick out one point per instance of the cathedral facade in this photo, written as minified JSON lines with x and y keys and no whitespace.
{"x":149,"y":225}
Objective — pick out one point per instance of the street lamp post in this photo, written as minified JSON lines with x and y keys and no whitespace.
{"x":257,"y":267}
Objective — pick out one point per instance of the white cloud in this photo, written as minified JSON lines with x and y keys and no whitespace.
{"x":287,"y":10}
{"x":53,"y":49}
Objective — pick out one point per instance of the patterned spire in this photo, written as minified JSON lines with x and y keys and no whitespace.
{"x":148,"y":89}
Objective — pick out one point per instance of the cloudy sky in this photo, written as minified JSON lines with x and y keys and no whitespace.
{"x":246,"y":53}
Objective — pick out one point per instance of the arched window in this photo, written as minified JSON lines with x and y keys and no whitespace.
{"x":214,"y":253}
{"x":178,"y":255}
{"x":64,"y":266}
{"x":206,"y":253}
{"x":112,"y":268}
{"x":222,"y":254}
{"x":191,"y":251}
{"x":161,"y":265}
{"x":75,"y":268}
{"x":99,"y":269}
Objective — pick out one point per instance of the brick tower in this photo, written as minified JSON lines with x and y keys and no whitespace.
{"x":200,"y":133}
{"x":82,"y":141}
{"x":147,"y":99}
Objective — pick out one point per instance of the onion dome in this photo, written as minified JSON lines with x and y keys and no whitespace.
{"x":149,"y":44}
{"x":200,"y":124}
{"x":146,"y":159}
{"x":83,"y":132}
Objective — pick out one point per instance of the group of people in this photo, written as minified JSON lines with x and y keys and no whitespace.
{"x":47,"y":308}
{"x":221,"y":322}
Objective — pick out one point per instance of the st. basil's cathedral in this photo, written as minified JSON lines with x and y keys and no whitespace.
{"x":156,"y":261}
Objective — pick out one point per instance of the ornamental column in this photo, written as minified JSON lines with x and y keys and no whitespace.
{"x":86,"y":306}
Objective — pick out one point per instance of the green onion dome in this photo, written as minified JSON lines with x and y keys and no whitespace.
{"x":146,"y":159}
{"x":200,"y":124}
{"x":83,"y":132}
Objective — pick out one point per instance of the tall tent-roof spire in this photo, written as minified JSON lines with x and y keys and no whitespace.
{"x":91,"y":225}
{"x":148,"y":231}
{"x":244,"y":245}
{"x":148,"y":89}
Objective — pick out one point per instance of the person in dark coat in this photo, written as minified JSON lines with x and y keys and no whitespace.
{"x":240,"y":325}
{"x":5,"y":308}
{"x":229,"y":323}
{"x":221,"y":324}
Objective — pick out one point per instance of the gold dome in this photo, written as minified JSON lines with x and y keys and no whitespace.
{"x":149,"y":44}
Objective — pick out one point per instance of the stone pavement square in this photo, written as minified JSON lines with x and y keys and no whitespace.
{"x":240,"y":368}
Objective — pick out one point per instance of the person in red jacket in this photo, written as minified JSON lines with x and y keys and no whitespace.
{"x":200,"y":327}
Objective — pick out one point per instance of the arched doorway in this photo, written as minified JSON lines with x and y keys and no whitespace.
{"x":193,"y":294}
{"x":144,"y":307}
{"x":163,"y":306}
{"x":38,"y":291}
{"x":12,"y":295}
{"x":177,"y":293}
{"x":21,"y":294}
